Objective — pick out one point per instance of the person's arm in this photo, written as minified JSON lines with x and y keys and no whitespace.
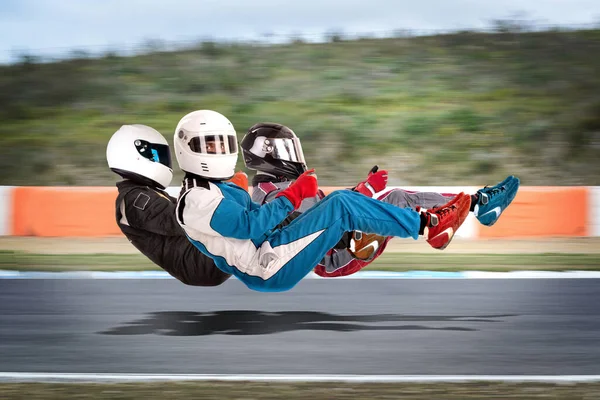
{"x":264,"y":192}
{"x":231,"y":219}
{"x":210,"y":212}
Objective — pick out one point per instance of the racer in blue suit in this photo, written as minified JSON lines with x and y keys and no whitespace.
{"x":276,"y":171}
{"x":241,"y":236}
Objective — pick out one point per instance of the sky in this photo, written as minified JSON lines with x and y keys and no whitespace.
{"x":54,"y":27}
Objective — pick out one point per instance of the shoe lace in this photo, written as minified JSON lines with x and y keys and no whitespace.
{"x":493,"y":191}
{"x":443,"y":212}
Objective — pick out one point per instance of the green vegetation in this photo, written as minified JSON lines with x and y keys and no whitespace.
{"x":466,"y":108}
{"x":13,"y":260}
{"x":301,"y":391}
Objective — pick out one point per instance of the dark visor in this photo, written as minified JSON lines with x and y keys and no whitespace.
{"x":154,"y":152}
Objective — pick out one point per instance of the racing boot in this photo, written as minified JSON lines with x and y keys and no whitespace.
{"x":492,"y":201}
{"x":440,"y":224}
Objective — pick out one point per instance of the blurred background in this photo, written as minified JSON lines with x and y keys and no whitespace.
{"x":438,"y":93}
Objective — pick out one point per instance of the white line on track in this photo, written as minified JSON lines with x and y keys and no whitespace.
{"x":108,"y":377}
{"x":6,"y":274}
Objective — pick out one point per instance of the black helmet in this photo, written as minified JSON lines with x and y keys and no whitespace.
{"x":274,"y":149}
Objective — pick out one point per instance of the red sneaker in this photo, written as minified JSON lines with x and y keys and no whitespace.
{"x":442,"y":222}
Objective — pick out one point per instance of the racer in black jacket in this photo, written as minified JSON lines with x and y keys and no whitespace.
{"x":145,"y":212}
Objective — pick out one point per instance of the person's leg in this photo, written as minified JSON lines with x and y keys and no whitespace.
{"x":403,"y":198}
{"x":292,"y":252}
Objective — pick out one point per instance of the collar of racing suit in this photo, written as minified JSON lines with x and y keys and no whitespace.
{"x":190,"y":181}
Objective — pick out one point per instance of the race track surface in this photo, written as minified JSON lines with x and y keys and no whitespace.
{"x":492,"y":327}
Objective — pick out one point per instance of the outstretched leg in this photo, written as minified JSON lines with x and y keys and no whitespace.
{"x":403,"y":198}
{"x":487,"y":204}
{"x":293,"y":251}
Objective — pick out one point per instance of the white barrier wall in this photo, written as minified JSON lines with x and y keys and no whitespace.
{"x":174,"y":191}
{"x":595,"y":211}
{"x":5,"y":210}
{"x":469,"y":227}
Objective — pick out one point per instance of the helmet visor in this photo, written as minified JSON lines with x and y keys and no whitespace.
{"x":286,"y":149}
{"x":214,"y":144}
{"x":154,"y":152}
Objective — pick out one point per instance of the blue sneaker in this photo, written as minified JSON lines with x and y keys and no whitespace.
{"x":494,"y":200}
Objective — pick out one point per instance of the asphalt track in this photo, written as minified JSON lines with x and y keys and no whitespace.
{"x":479,"y":327}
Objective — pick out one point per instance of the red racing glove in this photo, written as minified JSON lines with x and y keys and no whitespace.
{"x":376,"y":182}
{"x":304,"y":187}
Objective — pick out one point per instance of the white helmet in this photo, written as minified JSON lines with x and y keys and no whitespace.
{"x":140,"y":153}
{"x":206,"y":145}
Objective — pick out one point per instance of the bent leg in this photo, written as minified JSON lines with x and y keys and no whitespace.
{"x":298,"y":247}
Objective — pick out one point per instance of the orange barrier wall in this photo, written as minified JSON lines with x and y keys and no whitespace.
{"x":68,"y":211}
{"x":90,"y":211}
{"x":543,"y":212}
{"x":71,"y":211}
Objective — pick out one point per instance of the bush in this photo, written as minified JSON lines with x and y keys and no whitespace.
{"x":466,"y":119}
{"x":335,"y":36}
{"x":420,"y":127}
{"x":212,"y":49}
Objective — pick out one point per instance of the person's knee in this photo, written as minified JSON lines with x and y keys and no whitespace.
{"x":343,"y":198}
{"x":338,"y":195}
{"x":270,"y":286}
{"x":341,"y":207}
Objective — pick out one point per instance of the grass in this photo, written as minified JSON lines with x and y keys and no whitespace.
{"x":466,"y":108}
{"x":22,"y":261}
{"x":302,"y":391}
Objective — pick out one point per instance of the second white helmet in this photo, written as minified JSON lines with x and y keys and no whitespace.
{"x":205,"y":144}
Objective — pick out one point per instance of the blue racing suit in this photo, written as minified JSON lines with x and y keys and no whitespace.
{"x":223,"y":222}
